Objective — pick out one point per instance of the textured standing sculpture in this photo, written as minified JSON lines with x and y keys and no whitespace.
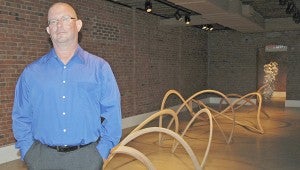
{"x":271,"y":71}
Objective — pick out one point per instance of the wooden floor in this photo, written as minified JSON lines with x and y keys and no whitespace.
{"x":277,"y":149}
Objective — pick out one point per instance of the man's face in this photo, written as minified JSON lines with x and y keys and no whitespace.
{"x":63,"y":25}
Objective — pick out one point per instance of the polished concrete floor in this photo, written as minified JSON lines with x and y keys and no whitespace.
{"x":277,"y":149}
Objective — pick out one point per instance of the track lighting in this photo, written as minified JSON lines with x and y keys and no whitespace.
{"x":187,"y":19}
{"x":148,"y":6}
{"x":207,"y":27}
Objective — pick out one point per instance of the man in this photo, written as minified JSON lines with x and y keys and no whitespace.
{"x":66,"y":112}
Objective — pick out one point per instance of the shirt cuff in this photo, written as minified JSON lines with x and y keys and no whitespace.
{"x":104,"y":148}
{"x":25,"y":149}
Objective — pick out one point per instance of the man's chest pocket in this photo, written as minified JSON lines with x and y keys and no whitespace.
{"x":88,"y":90}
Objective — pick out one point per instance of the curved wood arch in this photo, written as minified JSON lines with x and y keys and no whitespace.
{"x":176,"y":136}
{"x":159,"y":114}
{"x":205,"y":110}
{"x":248,"y":100}
{"x":185,"y":103}
{"x":134,"y":153}
{"x":259,"y":128}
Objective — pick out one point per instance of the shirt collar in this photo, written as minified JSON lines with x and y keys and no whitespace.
{"x":78,"y":56}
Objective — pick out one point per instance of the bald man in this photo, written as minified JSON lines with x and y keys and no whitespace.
{"x":67,"y":111}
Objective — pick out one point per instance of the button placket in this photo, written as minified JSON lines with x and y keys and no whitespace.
{"x":63,"y":96}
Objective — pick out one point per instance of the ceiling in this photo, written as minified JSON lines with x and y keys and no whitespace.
{"x":239,"y":15}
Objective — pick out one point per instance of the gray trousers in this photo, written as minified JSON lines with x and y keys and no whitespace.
{"x":41,"y":157}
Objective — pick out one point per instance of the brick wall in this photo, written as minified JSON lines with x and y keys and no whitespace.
{"x":293,"y":74}
{"x":146,"y":58}
{"x":232,"y":59}
{"x":232,"y":62}
{"x":23,"y":39}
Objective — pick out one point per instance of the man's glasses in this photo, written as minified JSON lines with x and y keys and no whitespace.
{"x":63,"y":19}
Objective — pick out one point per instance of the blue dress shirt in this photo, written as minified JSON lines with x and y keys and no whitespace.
{"x":61,"y":105}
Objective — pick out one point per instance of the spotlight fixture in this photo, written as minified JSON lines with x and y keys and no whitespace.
{"x":187,"y":19}
{"x":207,"y":27}
{"x":148,"y":6}
{"x":178,"y":16}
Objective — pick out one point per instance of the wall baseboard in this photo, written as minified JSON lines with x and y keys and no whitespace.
{"x":292,"y":103}
{"x":8,"y":153}
{"x":216,"y":100}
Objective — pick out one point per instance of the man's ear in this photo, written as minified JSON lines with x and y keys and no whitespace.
{"x":48,"y":31}
{"x":79,"y":25}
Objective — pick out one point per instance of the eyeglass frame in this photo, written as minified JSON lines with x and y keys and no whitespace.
{"x":65,"y":19}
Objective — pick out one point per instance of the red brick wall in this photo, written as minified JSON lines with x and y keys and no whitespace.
{"x":146,"y":58}
{"x":22,"y":39}
{"x":293,"y":69}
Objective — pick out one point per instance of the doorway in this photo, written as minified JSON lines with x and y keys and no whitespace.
{"x":280,"y":57}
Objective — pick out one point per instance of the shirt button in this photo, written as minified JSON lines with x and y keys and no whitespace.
{"x":64,"y":113}
{"x":65,"y":130}
{"x":63,"y":97}
{"x":65,"y":67}
{"x":64,"y":81}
